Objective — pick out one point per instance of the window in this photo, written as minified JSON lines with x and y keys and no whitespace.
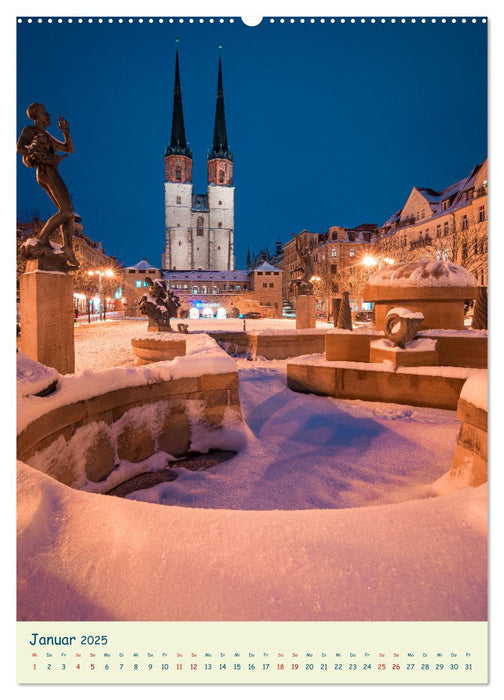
{"x":195,"y":290}
{"x":482,"y":213}
{"x":464,"y":250}
{"x":446,"y":204}
{"x":138,"y":283}
{"x":334,"y":253}
{"x":220,"y":224}
{"x":334,"y":236}
{"x":445,"y":228}
{"x":178,"y":174}
{"x":145,"y":284}
{"x":446,"y":254}
{"x":199,"y":226}
{"x":221,"y":176}
{"x":366,"y":236}
{"x":470,"y":194}
{"x":464,"y":222}
{"x":180,"y":242}
{"x":205,"y":289}
{"x":438,"y":231}
{"x":334,"y":269}
{"x":352,"y":252}
{"x":220,"y":202}
{"x":271,"y":284}
{"x":438,"y":255}
{"x":351,"y":235}
{"x":238,"y":287}
{"x":179,"y":200}
{"x":265,"y":284}
{"x":476,"y":248}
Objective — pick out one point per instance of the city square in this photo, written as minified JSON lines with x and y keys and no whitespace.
{"x":223,"y":420}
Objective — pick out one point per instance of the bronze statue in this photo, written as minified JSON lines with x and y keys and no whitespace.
{"x":39,"y":150}
{"x":159,"y":303}
{"x":304,"y":285}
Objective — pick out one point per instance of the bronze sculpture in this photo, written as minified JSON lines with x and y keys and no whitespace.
{"x":304,"y":285}
{"x":159,"y":304}
{"x":39,"y":150}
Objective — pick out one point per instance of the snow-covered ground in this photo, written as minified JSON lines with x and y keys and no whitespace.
{"x":333,"y":510}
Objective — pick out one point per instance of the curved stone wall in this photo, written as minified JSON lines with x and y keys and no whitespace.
{"x":86,"y":439}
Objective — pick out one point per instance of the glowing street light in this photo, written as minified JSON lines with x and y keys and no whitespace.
{"x":369,"y":261}
{"x":101,"y":273}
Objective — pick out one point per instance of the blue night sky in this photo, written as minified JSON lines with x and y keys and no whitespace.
{"x":329,"y":124}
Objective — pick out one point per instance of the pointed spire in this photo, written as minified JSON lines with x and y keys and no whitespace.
{"x":249,"y":262}
{"x":178,"y":144}
{"x":220,"y":145}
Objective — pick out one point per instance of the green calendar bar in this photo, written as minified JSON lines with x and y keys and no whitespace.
{"x":252,"y":652}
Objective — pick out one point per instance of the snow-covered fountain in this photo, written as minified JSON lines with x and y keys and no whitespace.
{"x":419,"y":352}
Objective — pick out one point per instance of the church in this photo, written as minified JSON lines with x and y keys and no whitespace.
{"x":199,"y":228}
{"x":198,"y":261}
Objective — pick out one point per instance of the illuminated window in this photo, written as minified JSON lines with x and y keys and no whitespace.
{"x":138,"y":283}
{"x":352,"y":252}
{"x":334,"y":253}
{"x":464,"y":222}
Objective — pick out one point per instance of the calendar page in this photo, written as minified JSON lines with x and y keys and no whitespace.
{"x":252,"y":313}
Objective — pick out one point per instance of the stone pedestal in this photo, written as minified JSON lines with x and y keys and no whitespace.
{"x":417,"y":353}
{"x":47,"y":319}
{"x":306,"y":311}
{"x":159,"y":349}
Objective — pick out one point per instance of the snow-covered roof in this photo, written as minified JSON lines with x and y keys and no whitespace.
{"x":427,"y":274}
{"x":142,"y":265}
{"x":266,"y":267}
{"x":455,"y":193}
{"x":206,"y":275}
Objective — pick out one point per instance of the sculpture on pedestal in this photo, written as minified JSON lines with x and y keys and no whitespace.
{"x":39,"y":150}
{"x":401,"y":325}
{"x":159,"y":304}
{"x":304,"y":285}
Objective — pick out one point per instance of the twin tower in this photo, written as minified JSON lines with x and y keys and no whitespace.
{"x":199,"y":227}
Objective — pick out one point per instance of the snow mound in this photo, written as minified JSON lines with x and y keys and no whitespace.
{"x":32,"y":377}
{"x":475,"y":390}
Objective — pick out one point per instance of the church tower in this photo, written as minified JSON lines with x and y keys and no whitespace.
{"x":178,"y":186}
{"x":199,"y":228}
{"x":220,"y":187}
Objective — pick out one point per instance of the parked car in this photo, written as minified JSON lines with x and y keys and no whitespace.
{"x":364,"y":316}
{"x":252,"y":314}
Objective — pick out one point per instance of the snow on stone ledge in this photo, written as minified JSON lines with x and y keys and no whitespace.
{"x":203,"y":357}
{"x":475,"y":390}
{"x":431,"y":274}
{"x":403,"y":312}
{"x":417,"y":345}
{"x":32,"y":377}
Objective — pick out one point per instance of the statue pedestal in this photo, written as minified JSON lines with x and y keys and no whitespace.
{"x":47,"y":319}
{"x":306,"y":311}
{"x":421,"y":352}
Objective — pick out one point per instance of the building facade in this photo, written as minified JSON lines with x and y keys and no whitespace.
{"x":199,"y":228}
{"x":450,"y":224}
{"x":337,"y":257}
{"x":207,"y":293}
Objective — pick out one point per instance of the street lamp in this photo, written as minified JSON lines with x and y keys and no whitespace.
{"x":101,"y":273}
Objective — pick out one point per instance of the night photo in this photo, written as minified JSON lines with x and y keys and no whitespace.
{"x":252,"y":321}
